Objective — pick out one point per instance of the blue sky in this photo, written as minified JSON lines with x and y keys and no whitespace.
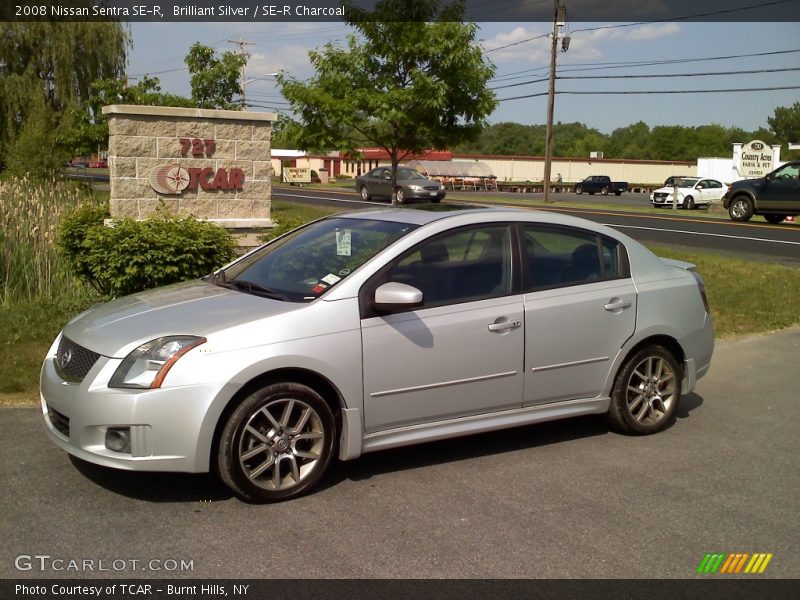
{"x":159,"y":48}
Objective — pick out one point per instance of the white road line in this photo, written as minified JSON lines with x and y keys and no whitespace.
{"x":722,"y":235}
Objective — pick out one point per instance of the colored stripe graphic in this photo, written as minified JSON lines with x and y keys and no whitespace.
{"x":733,"y":563}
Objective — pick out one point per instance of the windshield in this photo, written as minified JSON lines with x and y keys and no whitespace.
{"x":306,"y":263}
{"x":408,"y":174}
{"x":685,"y":182}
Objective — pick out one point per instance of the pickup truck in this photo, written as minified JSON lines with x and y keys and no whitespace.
{"x":602,"y":184}
{"x":774,"y":196}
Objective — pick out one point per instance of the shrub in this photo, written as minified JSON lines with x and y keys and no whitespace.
{"x":132,"y":256}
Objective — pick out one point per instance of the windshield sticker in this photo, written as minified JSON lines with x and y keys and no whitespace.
{"x":330,"y":279}
{"x":344,"y":272}
{"x":343,"y":246}
{"x":319,"y":288}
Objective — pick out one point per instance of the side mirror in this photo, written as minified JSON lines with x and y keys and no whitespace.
{"x":394,"y":296}
{"x":769,"y":176}
{"x":387,"y":175}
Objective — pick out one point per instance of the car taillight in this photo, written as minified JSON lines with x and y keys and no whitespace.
{"x":702,"y":286}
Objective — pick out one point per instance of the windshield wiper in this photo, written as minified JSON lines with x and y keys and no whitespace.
{"x":241,"y":284}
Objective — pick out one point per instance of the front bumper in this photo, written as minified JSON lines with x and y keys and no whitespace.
{"x":169,"y":430}
{"x":425,"y":195}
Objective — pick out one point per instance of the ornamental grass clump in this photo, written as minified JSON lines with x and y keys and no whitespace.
{"x":31,"y":268}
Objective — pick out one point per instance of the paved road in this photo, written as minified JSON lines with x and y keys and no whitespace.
{"x":565,"y":499}
{"x":756,"y":240}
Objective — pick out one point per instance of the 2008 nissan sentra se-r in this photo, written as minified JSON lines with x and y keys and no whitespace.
{"x":373,"y":330}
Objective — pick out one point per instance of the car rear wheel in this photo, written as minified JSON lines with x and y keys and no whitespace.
{"x":579,"y":190}
{"x":688,"y":203}
{"x":646,"y":392}
{"x":400,"y":195}
{"x":604,"y":191}
{"x":277,"y":443}
{"x":775,"y":219}
{"x":365,"y":195}
{"x":741,"y":208}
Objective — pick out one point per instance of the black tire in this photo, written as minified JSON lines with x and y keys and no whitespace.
{"x":688,"y":203}
{"x":313,"y":435}
{"x":740,"y":208}
{"x":578,"y":190}
{"x":436,"y":200}
{"x":774,"y":219}
{"x":638,"y":414}
{"x":604,"y":191}
{"x":400,"y":196}
{"x":618,"y":193}
{"x":365,"y":195}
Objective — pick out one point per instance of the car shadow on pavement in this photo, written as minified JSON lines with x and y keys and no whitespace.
{"x":155,"y":487}
{"x":485,"y":444}
{"x":687,"y":404}
{"x":466,"y":448}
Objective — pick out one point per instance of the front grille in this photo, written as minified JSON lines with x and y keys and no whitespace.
{"x":74,"y":361}
{"x":660,"y":196}
{"x":59,"y":421}
{"x":432,"y":188}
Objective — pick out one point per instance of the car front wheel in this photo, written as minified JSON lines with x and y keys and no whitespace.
{"x":365,"y":195}
{"x":400,"y":195}
{"x":741,"y":208}
{"x":579,"y":190}
{"x":277,"y":443}
{"x":646,"y":392}
{"x":604,"y":191}
{"x":688,"y":204}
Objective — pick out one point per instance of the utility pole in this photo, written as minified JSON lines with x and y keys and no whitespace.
{"x":559,"y":19}
{"x":242,"y":43}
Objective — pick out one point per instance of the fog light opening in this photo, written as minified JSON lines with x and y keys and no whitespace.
{"x":119,"y":440}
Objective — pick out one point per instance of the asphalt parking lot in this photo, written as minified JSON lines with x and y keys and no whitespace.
{"x":565,"y":499}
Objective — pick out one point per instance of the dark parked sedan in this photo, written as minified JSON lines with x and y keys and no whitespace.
{"x":410,"y":185}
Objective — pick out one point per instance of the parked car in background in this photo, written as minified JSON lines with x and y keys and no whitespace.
{"x":670,"y":181}
{"x":99,"y":164}
{"x":692,"y":192}
{"x":410,"y":185}
{"x":373,"y":330}
{"x":602,"y":184}
{"x":774,"y":196}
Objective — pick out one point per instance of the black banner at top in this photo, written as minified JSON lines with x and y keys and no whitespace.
{"x":518,"y":11}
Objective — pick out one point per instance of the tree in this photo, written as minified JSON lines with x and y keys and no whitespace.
{"x":46,"y":74}
{"x":215,"y":81}
{"x":91,"y":129}
{"x":785,"y":123}
{"x":415,"y":80}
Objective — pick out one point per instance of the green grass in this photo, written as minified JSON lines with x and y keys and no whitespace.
{"x":745,"y":298}
{"x":28,"y":330}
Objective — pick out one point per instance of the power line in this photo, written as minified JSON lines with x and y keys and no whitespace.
{"x":652,"y":76}
{"x":544,"y":35}
{"x":597,"y":66}
{"x":640,"y":92}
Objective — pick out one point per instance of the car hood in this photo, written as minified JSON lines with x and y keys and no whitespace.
{"x":422,"y":182}
{"x":191,"y":308}
{"x":748,"y":182}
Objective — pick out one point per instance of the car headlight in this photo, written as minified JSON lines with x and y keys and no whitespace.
{"x":416,"y":188}
{"x":147,"y":366}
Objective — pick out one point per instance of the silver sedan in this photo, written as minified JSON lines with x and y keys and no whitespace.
{"x":373,"y":330}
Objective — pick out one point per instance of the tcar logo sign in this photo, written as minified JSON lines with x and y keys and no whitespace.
{"x":174,"y":179}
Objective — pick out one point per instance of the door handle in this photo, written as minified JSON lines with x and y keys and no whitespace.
{"x":617,"y":305}
{"x":504,"y":325}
